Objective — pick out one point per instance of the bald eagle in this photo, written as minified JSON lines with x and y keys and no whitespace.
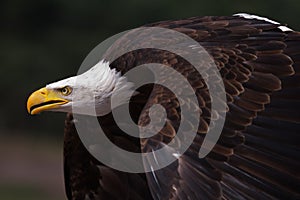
{"x":257,"y":154}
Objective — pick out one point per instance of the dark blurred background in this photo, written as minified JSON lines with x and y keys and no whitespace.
{"x":44,"y":41}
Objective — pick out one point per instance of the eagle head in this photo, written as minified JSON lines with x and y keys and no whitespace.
{"x":78,"y":94}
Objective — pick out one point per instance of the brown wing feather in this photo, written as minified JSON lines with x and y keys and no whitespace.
{"x":87,"y":178}
{"x":257,"y":155}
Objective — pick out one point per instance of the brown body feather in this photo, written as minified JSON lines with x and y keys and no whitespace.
{"x":257,"y":155}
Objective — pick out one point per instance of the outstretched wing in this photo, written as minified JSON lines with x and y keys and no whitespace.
{"x":257,"y":154}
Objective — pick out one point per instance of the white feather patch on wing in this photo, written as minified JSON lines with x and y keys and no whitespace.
{"x":249,"y":16}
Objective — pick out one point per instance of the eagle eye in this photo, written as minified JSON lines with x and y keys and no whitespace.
{"x":66,"y":90}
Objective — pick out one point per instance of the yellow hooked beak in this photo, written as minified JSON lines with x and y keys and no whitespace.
{"x":44,"y":99}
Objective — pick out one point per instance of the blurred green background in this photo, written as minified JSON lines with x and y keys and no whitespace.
{"x":44,"y":41}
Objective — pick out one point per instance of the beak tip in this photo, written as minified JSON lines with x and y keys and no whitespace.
{"x":29,"y":112}
{"x":32,"y":100}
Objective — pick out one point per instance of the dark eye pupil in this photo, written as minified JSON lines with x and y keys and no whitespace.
{"x":64,"y":90}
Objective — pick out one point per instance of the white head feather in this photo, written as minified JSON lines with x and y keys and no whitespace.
{"x":94,"y":89}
